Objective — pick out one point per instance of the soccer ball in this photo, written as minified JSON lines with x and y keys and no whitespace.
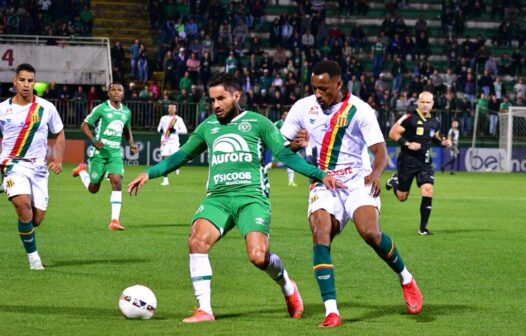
{"x":138,"y":302}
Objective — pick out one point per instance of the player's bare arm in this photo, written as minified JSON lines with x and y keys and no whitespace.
{"x":442,"y":140}
{"x":85,"y":128}
{"x":60,"y":146}
{"x":396,"y":134}
{"x":379,"y":151}
{"x":129,"y":137}
{"x":136,"y":185}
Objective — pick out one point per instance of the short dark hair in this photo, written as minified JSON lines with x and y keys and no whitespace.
{"x":329,"y":67}
{"x":115,"y":83}
{"x":25,"y":67}
{"x":228,"y":81}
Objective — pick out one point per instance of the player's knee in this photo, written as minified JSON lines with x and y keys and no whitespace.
{"x":402,"y":197}
{"x":93,"y":188}
{"x":258,"y":258}
{"x":198,"y":245}
{"x":371,"y":236}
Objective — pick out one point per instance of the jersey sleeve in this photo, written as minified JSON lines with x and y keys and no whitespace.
{"x":271,"y":136}
{"x":372,"y":134}
{"x":94,"y":116}
{"x":128,"y":121}
{"x":405,"y":120}
{"x":160,"y":126}
{"x":293,"y":122}
{"x":181,"y":126}
{"x":55,"y":123}
{"x":196,"y":143}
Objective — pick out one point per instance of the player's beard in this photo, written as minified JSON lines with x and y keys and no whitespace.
{"x":231,"y":114}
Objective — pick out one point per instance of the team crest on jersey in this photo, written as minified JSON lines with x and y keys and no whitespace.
{"x":260,"y":221}
{"x":312,"y":121}
{"x":35,"y":118}
{"x":244,"y":126}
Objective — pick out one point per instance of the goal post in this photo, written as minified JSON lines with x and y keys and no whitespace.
{"x":512,"y":138}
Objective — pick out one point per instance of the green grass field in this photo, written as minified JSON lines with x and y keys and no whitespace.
{"x":471,"y":272}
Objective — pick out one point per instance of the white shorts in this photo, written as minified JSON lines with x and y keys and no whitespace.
{"x":168,"y":149}
{"x":26,"y":179}
{"x":343,"y":202}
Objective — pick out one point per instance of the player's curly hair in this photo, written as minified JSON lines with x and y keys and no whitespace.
{"x":329,"y":67}
{"x":228,"y":81}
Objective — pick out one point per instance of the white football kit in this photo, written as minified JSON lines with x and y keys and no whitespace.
{"x":170,"y":139}
{"x":23,"y":160}
{"x":339,"y":138}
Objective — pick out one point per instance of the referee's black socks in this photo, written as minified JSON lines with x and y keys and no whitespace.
{"x":425,"y":211}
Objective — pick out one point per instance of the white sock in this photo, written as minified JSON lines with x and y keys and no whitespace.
{"x":290,"y":174}
{"x":405,"y":276}
{"x":177,"y":172}
{"x":331,"y":307}
{"x":276,"y":271}
{"x":268,"y":166}
{"x":165,"y":179}
{"x":84,"y":178}
{"x":116,"y":203}
{"x":33,"y":256}
{"x":201,"y":273}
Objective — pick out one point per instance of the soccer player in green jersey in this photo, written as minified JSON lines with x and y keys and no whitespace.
{"x":275,"y":163}
{"x":111,"y":120}
{"x":237,"y":190}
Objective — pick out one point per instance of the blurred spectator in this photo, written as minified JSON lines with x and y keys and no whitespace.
{"x":180,"y":66}
{"x":206,"y":69}
{"x":519,"y":90}
{"x":134,"y":57}
{"x":142,"y":64}
{"x":186,"y":82}
{"x":86,"y":15}
{"x":193,"y":64}
{"x":93,"y":97}
{"x":117,"y":56}
{"x":231,"y":63}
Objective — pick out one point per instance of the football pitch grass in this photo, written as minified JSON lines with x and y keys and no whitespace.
{"x":471,"y":272}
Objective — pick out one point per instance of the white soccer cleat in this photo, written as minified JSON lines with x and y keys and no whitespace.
{"x":165,"y":183}
{"x":36,"y":264}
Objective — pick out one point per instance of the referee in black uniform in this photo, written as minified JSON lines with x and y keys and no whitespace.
{"x":415,"y":132}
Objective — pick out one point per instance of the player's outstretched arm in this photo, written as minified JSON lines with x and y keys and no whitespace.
{"x":136,"y":185}
{"x":60,"y":147}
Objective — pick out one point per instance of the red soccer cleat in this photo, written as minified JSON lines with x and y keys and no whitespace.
{"x":115,"y":225}
{"x":332,"y":320}
{"x":78,"y":169}
{"x":199,"y":316}
{"x":413,"y":297}
{"x":294,"y":303}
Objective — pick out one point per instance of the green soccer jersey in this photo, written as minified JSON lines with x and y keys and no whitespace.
{"x":236,"y":152}
{"x":109,"y":123}
{"x":278,"y":124}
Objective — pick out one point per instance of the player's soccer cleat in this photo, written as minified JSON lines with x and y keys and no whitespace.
{"x":389,"y":182}
{"x":165,"y":183}
{"x":199,"y":316}
{"x":332,"y":320}
{"x":36,"y":265}
{"x":424,"y":232}
{"x":115,"y":225}
{"x":292,"y":184}
{"x":413,"y":297}
{"x":294,"y":303}
{"x":78,"y":169}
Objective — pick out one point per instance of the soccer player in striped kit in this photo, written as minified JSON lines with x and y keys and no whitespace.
{"x":170,"y":126}
{"x":25,"y":122}
{"x":340,"y":129}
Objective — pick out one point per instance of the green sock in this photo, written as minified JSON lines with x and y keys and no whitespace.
{"x":388,"y":251}
{"x":27,"y":235}
{"x":324,"y":271}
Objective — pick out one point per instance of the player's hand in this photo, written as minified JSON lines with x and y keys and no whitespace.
{"x":98,"y":144}
{"x":414,"y":146}
{"x":301,"y":140}
{"x":374,"y":181}
{"x":446,"y":142}
{"x":332,"y":184}
{"x":136,"y":185}
{"x":56,"y":167}
{"x":134,"y":148}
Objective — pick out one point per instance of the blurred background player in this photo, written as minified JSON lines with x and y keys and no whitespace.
{"x":452,"y":136}
{"x":414,"y":132}
{"x":170,"y":126}
{"x":25,"y":122}
{"x":111,"y":119}
{"x":275,"y":163}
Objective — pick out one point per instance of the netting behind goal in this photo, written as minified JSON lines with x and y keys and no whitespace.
{"x":512,"y":138}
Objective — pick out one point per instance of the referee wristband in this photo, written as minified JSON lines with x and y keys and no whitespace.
{"x":402,"y":141}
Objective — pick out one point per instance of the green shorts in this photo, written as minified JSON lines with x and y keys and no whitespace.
{"x":248,"y":213}
{"x":105,"y":162}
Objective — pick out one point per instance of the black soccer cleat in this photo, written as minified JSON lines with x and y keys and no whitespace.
{"x":389,"y":182}
{"x":424,"y":232}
